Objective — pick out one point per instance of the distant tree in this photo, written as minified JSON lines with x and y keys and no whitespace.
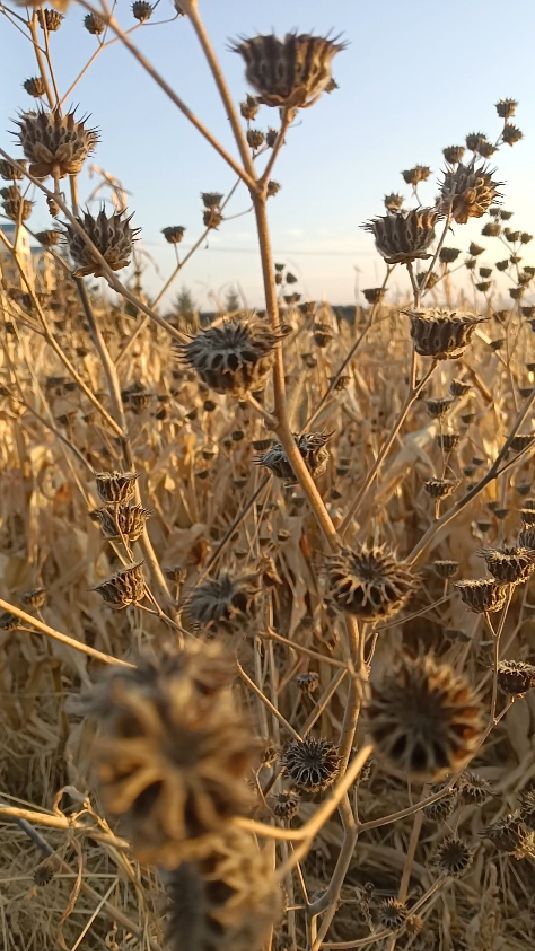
{"x":185,"y":305}
{"x":233,"y":301}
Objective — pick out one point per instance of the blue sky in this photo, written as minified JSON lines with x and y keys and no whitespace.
{"x":416,"y":76}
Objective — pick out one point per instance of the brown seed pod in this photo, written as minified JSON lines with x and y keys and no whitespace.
{"x":424,"y":720}
{"x":405,"y":236}
{"x":141,"y":10}
{"x":223,"y":603}
{"x":50,"y":20}
{"x":473,"y":789}
{"x":467,"y":191}
{"x":49,"y":238}
{"x":36,"y":598}
{"x":289,"y":72}
{"x":312,"y":764}
{"x":9,"y":622}
{"x":312,"y":448}
{"x":440,"y":333}
{"x":55,"y":144}
{"x":391,"y":913}
{"x":234,"y":356}
{"x":440,"y":488}
{"x":515,"y":677}
{"x":14,"y":206}
{"x":127,"y":521}
{"x":116,"y":486}
{"x":173,"y":234}
{"x":418,"y":173}
{"x":509,"y":565}
{"x":286,"y":805}
{"x":113,"y":238}
{"x":511,"y":834}
{"x":440,"y":810}
{"x":124,"y":588}
{"x":370,"y":583}
{"x":308,"y":683}
{"x":453,"y":154}
{"x":393,"y":202}
{"x":446,"y":569}
{"x":482,"y":594}
{"x":453,"y":856}
{"x":94,"y":24}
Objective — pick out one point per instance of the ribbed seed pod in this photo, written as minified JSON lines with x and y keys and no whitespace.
{"x":453,"y":154}
{"x":509,"y":565}
{"x":235,"y":356}
{"x":224,"y":603}
{"x":116,"y":486}
{"x":49,"y":19}
{"x":312,"y":448}
{"x":308,"y":683}
{"x":225,"y":902}
{"x":49,"y":238}
{"x":34,"y":86}
{"x":440,"y":488}
{"x":124,"y":588}
{"x":289,"y":72}
{"x":14,"y":206}
{"x":468,"y":191}
{"x":124,"y":520}
{"x":36,"y":598}
{"x":370,"y":583}
{"x":173,"y":234}
{"x":510,"y":834}
{"x":526,"y":538}
{"x":113,"y":238}
{"x":439,"y":406}
{"x":405,"y":236}
{"x":173,"y":752}
{"x":442,"y":334}
{"x":473,"y":789}
{"x":312,"y":764}
{"x":453,"y":856}
{"x":286,"y":805}
{"x":8,"y":171}
{"x":424,"y":720}
{"x":55,"y":144}
{"x":446,"y":569}
{"x":391,"y":913}
{"x":527,"y":809}
{"x":482,"y":594}
{"x":448,"y":441}
{"x":393,"y":202}
{"x":94,"y":24}
{"x":515,"y":677}
{"x":459,"y":387}
{"x":8,"y":622}
{"x":141,"y":10}
{"x":418,"y":173}
{"x":440,"y":810}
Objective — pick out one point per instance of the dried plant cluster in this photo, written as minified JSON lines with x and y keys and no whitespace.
{"x":266,"y":599}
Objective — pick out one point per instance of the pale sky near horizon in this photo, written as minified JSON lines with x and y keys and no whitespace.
{"x":417,"y":75}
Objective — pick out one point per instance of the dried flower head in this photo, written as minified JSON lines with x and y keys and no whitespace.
{"x":468,"y":192}
{"x":506,"y":108}
{"x":124,"y":588}
{"x":116,"y":486}
{"x":391,"y":913}
{"x":446,"y":568}
{"x":223,"y":603}
{"x":393,"y":202}
{"x":249,"y":109}
{"x":55,"y":144}
{"x":173,"y":752}
{"x":36,"y":598}
{"x":482,"y":594}
{"x":424,"y":719}
{"x":453,"y":154}
{"x":418,"y":173}
{"x":233,"y":357}
{"x":474,"y":140}
{"x":227,"y":901}
{"x":14,"y":206}
{"x":113,"y":238}
{"x":473,"y":789}
{"x":126,"y":521}
{"x":286,"y":805}
{"x":312,"y":764}
{"x":511,"y":834}
{"x":515,"y":677}
{"x":453,"y":856}
{"x":50,"y":20}
{"x":440,"y":488}
{"x":45,"y":871}
{"x":440,"y":810}
{"x":49,"y":238}
{"x":9,"y":172}
{"x":94,"y":24}
{"x":312,"y":448}
{"x":527,"y":809}
{"x":289,"y":72}
{"x":511,"y":134}
{"x":34,"y":86}
{"x":255,"y":138}
{"x":141,"y":10}
{"x":509,"y":565}
{"x":9,"y":622}
{"x":442,"y":334}
{"x":173,"y":234}
{"x":404,"y":237}
{"x":370,"y":583}
{"x":459,"y":387}
{"x":439,"y":406}
{"x":308,"y":683}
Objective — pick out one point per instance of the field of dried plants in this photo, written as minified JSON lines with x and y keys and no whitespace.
{"x":267,"y":635}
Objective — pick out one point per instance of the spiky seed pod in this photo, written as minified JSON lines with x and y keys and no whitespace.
{"x":440,"y":810}
{"x":468,"y":192}
{"x":308,"y":683}
{"x":459,"y":387}
{"x":440,"y":488}
{"x":50,"y":20}
{"x":211,"y":200}
{"x":312,"y":764}
{"x":453,"y":856}
{"x":116,"y":486}
{"x":442,"y":334}
{"x":405,"y":236}
{"x":482,"y":595}
{"x":8,"y":622}
{"x":173,"y":234}
{"x":448,"y":255}
{"x":222,"y":603}
{"x":369,"y":583}
{"x":249,"y":109}
{"x":511,"y":134}
{"x":491,"y":230}
{"x":393,"y":202}
{"x":113,"y":238}
{"x":49,"y":238}
{"x":523,"y":442}
{"x":124,"y":588}
{"x":8,"y":171}
{"x":486,"y":149}
{"x":448,"y":441}
{"x":235,"y":356}
{"x":141,"y":10}
{"x":15,"y":207}
{"x":55,"y":144}
{"x":446,"y":569}
{"x":509,"y":565}
{"x":36,"y":598}
{"x":515,"y":677}
{"x":391,"y":913}
{"x":94,"y":24}
{"x":527,"y":515}
{"x":290,"y":72}
{"x":424,"y":720}
{"x":126,"y":521}
{"x":45,"y":871}
{"x":485,"y":272}
{"x":483,"y":286}
{"x":255,"y":139}
{"x":418,"y":173}
{"x":453,"y":154}
{"x":286,"y":805}
{"x":474,"y":139}
{"x":473,"y":789}
{"x":226,"y":902}
{"x":173,"y":752}
{"x":439,"y":406}
{"x":506,"y":108}
{"x":35,"y":86}
{"x":374,"y":295}
{"x":312,"y":448}
{"x":525,"y":238}
{"x":510,"y":834}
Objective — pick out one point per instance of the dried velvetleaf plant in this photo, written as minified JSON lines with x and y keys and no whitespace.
{"x":233,"y":356}
{"x":369,"y":583}
{"x":112,"y":236}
